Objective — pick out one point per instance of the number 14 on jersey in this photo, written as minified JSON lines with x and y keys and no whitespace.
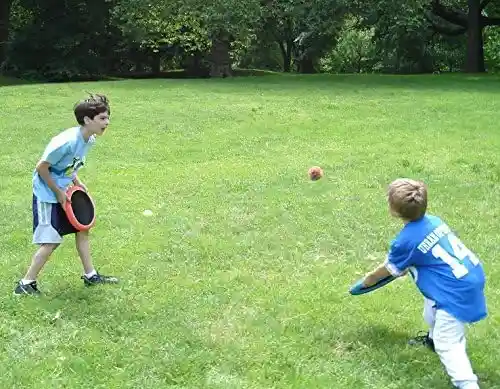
{"x":456,"y":258}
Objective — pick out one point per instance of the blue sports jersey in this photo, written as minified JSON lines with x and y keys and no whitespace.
{"x":443,"y":268}
{"x":66,"y":154}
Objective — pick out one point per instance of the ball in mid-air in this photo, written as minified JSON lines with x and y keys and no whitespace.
{"x":315,"y":173}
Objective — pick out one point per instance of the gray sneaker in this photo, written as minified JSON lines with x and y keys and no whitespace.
{"x":30,"y":289}
{"x":424,"y":340}
{"x":99,"y":279}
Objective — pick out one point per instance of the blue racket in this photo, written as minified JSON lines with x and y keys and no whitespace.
{"x":358,"y":288}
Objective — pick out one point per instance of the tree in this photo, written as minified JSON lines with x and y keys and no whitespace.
{"x":225,"y":21}
{"x":5,"y":7}
{"x":62,"y":40}
{"x":152,"y":35}
{"x":449,"y":18}
{"x":354,"y":52}
{"x":401,"y":34}
{"x":279,"y":20}
{"x":466,"y":18}
{"x":319,"y":32}
{"x":222,"y":21}
{"x":492,"y":48}
{"x":304,"y":30}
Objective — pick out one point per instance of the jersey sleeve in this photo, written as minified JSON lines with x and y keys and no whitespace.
{"x":55,"y":151}
{"x":399,"y":258}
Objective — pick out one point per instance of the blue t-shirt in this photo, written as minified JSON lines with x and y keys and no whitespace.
{"x":443,"y":268}
{"x":66,"y":154}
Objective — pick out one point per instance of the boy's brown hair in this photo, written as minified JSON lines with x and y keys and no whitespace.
{"x":91,"y":107}
{"x":408,"y":198}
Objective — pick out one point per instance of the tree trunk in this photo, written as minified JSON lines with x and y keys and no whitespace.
{"x":286,"y":52}
{"x":474,"y":62}
{"x":306,"y":65}
{"x":359,"y":60}
{"x":5,"y":7}
{"x":220,"y":60}
{"x":195,"y":67}
{"x":156,"y":63}
{"x":139,"y":66}
{"x":288,"y":61}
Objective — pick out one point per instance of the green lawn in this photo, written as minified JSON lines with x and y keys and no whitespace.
{"x":240,"y":279}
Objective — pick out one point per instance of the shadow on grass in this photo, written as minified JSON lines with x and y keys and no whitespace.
{"x":359,"y":82}
{"x":9,"y":81}
{"x":410,"y":358}
{"x":172,"y":74}
{"x":374,"y":336}
{"x":328,"y":82}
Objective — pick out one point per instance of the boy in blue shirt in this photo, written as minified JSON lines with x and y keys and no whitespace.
{"x":446,"y":272}
{"x":56,"y":170}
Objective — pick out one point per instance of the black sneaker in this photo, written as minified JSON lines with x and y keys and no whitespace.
{"x":99,"y":279}
{"x":424,"y":340}
{"x":30,"y":289}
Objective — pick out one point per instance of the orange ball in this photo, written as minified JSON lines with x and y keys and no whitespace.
{"x":315,"y":173}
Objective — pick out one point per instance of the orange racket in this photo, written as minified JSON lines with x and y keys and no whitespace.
{"x":80,"y":208}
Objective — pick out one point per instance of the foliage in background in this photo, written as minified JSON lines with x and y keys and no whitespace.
{"x":79,"y":39}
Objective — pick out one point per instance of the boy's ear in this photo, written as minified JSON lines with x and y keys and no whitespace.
{"x":86,"y":120}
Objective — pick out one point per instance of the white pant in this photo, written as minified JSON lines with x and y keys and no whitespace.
{"x":448,"y":334}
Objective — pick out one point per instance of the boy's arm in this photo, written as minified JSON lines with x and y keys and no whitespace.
{"x":77,"y":181}
{"x":397,"y":264}
{"x":55,"y":151}
{"x":376,"y":275}
{"x":42,"y":169}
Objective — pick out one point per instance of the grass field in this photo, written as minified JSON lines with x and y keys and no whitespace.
{"x":240,"y":278}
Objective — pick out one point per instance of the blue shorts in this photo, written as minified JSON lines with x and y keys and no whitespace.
{"x":50,"y":222}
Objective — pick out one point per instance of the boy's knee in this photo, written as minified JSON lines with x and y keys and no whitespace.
{"x":50,"y":246}
{"x":441,"y":345}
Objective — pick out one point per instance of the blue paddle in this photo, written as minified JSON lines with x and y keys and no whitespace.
{"x":358,"y":289}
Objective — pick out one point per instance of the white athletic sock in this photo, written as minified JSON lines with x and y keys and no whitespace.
{"x":91,"y":274}
{"x":26,"y":282}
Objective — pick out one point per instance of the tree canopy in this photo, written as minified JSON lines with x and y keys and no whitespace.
{"x":78,"y":39}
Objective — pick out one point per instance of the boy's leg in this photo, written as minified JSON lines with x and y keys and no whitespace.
{"x":430,"y":315}
{"x":430,"y":318}
{"x":83,"y":248}
{"x":38,"y":261}
{"x":449,"y":340}
{"x":46,"y":235}
{"x":91,"y":276}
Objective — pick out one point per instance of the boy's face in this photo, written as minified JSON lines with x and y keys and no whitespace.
{"x":98,"y":124}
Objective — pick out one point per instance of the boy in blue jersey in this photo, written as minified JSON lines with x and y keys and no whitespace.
{"x":56,"y":170}
{"x":446,"y":272}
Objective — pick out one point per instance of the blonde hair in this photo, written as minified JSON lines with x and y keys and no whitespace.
{"x":408,"y":198}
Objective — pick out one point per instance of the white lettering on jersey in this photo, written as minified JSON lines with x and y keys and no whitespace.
{"x":454,"y":258}
{"x":431,"y":239}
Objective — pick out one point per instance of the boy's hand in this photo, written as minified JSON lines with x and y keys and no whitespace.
{"x":77,"y":181}
{"x":375,"y":276}
{"x":61,"y":197}
{"x":369,"y":281}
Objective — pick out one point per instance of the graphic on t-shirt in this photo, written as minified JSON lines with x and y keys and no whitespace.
{"x":74,"y":166}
